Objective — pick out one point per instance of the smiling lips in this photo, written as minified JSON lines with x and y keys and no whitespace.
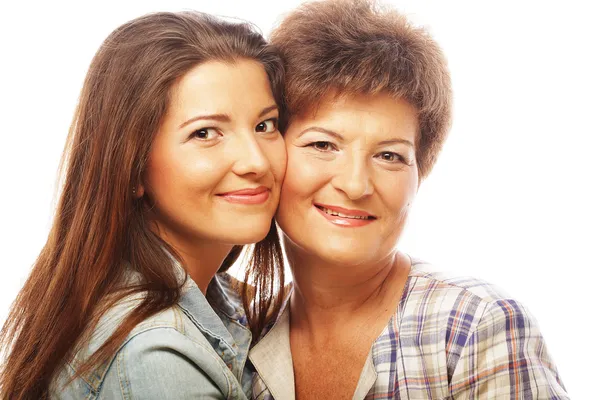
{"x":344,"y":217}
{"x":247,"y":196}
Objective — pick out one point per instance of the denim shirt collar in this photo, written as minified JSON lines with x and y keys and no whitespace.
{"x":222,"y":294}
{"x":221,"y":319}
{"x":200,"y":311}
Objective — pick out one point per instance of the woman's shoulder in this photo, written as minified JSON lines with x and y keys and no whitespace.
{"x":97,"y":336}
{"x":115,"y":315}
{"x":444,"y":301}
{"x":223,"y":290}
{"x":158,"y":359}
{"x":169,"y":343}
{"x":487,"y":339}
{"x":427,"y":281}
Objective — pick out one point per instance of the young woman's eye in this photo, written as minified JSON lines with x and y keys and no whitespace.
{"x":267,"y":126}
{"x":205,"y":134}
{"x":390,"y":156}
{"x":322,"y":146}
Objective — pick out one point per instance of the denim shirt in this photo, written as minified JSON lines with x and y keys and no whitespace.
{"x":195,"y":349}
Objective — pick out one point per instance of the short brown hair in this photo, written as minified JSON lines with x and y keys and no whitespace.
{"x":358,"y":47}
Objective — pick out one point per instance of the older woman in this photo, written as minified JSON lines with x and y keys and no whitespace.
{"x":369,"y":107}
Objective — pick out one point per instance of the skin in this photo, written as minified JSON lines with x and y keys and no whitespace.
{"x":357,"y":153}
{"x":219,"y":135}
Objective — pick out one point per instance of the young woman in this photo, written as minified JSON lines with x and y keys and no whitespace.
{"x":174,"y":161}
{"x":369,"y":101}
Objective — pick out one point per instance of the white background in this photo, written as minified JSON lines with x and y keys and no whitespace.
{"x":513,"y":199}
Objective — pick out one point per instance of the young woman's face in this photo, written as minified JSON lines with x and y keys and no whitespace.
{"x":217,"y":162}
{"x":351,"y":177}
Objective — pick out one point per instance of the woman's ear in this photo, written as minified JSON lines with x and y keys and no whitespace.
{"x":138,"y":191}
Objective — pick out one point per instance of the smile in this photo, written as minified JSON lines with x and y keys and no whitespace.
{"x":247,"y":196}
{"x":339,"y":214}
{"x":344,"y":217}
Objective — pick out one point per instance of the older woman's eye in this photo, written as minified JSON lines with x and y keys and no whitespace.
{"x":205,"y":134}
{"x":322,"y":146}
{"x":390,"y":156}
{"x":267,"y":126}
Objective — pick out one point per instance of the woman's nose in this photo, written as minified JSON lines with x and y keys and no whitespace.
{"x":353,"y":177}
{"x":250,"y":159}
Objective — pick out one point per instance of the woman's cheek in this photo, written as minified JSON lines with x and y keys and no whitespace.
{"x":277,"y":155}
{"x":397,"y":191}
{"x":304,"y":171}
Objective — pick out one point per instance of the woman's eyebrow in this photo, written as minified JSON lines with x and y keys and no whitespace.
{"x":267,"y":110}
{"x":396,"y":141}
{"x":214,"y":117}
{"x":322,"y":130}
{"x":224,"y":117}
{"x":341,"y":138}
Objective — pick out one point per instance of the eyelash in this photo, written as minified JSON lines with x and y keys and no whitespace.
{"x":397,"y":157}
{"x":272,"y":120}
{"x":197,"y":131}
{"x":275,"y":122}
{"x":330,"y":146}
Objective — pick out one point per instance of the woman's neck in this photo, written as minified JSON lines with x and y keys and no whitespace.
{"x":201,"y":259}
{"x":327,"y":295}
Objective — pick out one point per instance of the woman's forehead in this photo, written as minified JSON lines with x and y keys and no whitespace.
{"x":376,"y":116}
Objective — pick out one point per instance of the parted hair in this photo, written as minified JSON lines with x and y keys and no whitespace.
{"x":100,"y":226}
{"x":359,"y":47}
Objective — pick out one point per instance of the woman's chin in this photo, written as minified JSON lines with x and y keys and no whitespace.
{"x":345,"y":254}
{"x":248,"y":235}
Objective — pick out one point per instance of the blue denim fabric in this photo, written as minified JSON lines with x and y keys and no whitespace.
{"x":196,"y":349}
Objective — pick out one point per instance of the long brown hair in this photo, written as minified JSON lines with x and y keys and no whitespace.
{"x":99,"y":225}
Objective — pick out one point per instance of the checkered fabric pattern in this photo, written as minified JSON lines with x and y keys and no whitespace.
{"x":452,"y":338}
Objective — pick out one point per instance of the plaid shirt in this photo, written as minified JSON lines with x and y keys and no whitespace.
{"x":450,"y":338}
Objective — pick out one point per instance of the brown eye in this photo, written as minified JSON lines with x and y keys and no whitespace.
{"x":322,"y":146}
{"x":205,"y":134}
{"x":267,"y":126}
{"x":390,"y":156}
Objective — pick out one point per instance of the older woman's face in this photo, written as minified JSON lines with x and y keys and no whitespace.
{"x":351,"y":178}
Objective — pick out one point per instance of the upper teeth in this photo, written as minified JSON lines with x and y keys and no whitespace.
{"x":339,"y":214}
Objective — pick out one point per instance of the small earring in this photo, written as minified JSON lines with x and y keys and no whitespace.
{"x":134,"y":190}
